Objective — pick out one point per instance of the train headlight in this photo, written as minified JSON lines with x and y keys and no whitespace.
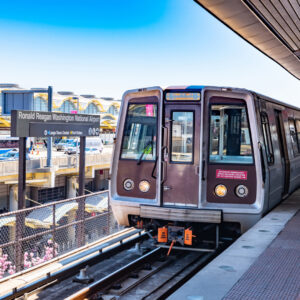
{"x":241,"y":191}
{"x":221,"y":190}
{"x":144,"y":186}
{"x":128,"y":184}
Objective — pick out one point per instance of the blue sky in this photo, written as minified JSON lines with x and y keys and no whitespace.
{"x":105,"y":47}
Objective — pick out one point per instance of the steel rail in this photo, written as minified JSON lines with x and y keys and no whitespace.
{"x":181,"y":277}
{"x":177,"y":279}
{"x":74,"y":268}
{"x":119,"y":274}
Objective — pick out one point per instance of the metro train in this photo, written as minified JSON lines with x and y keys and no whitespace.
{"x":193,"y":156}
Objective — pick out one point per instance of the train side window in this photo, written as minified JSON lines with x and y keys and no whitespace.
{"x":267,"y":138}
{"x":293,"y":135}
{"x":182,"y":138}
{"x":230,"y":138}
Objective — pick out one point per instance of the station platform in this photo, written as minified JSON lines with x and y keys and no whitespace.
{"x":264,"y":263}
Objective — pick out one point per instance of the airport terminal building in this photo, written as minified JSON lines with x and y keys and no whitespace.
{"x":47,"y":184}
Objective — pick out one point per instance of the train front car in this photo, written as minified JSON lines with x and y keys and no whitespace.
{"x":186,"y":160}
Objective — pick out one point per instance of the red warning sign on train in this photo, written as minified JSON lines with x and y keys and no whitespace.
{"x":231,"y":174}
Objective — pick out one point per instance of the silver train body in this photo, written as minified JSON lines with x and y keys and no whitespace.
{"x":201,"y":155}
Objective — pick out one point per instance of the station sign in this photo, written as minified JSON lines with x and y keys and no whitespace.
{"x":26,"y":123}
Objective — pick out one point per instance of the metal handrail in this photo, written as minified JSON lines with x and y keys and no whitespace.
{"x":33,"y":240}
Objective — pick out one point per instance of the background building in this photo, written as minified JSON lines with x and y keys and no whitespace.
{"x":67,"y":102}
{"x":47,"y":184}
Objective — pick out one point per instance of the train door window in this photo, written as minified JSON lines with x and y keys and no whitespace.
{"x":267,"y":138}
{"x":230,"y":139}
{"x":182,"y":136}
{"x":139,"y":141}
{"x":293,"y":135}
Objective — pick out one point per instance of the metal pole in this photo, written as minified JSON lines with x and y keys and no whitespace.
{"x":81,"y":204}
{"x":22,"y":173}
{"x":49,"y":144}
{"x":54,"y":229}
{"x":82,"y":165}
{"x":20,"y":217}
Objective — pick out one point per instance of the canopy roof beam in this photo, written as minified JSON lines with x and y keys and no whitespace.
{"x":272,"y":28}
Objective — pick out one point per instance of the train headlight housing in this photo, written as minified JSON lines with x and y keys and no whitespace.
{"x":144,"y":186}
{"x":241,"y":191}
{"x":221,"y":190}
{"x":128,"y":184}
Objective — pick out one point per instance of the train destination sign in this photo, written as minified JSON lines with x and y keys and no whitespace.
{"x":183,"y":96}
{"x":50,"y":124}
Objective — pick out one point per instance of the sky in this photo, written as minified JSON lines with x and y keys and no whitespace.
{"x":105,"y":47}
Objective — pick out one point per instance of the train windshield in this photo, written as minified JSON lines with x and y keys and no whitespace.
{"x":230,"y":140}
{"x":139,"y":141}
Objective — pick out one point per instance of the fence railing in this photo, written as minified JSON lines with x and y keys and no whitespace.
{"x":72,"y":161}
{"x":66,"y":161}
{"x":35,"y":235}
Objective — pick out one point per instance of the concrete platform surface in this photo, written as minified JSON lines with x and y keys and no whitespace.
{"x":264,"y":263}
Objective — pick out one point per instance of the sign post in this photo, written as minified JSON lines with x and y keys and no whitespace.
{"x":50,"y":124}
{"x":49,"y":144}
{"x":81,"y":185}
{"x":20,"y":218}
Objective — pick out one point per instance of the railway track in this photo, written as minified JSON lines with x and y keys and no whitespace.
{"x":123,"y":271}
{"x":137,"y":280}
{"x":90,"y":257}
{"x":109,"y":261}
{"x":154,"y":275}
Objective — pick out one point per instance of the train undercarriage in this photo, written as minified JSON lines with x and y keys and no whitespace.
{"x":199,"y":236}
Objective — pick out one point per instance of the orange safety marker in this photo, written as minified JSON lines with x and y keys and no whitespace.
{"x":139,"y":224}
{"x":162,"y":235}
{"x":188,"y":237}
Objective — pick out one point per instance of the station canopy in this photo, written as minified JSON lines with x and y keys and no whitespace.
{"x":272,"y":26}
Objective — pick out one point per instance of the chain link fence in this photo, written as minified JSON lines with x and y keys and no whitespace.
{"x":35,"y":235}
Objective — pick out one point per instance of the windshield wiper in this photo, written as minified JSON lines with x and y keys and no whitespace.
{"x":143,"y":152}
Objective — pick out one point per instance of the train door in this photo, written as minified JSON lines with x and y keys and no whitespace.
{"x":285,"y":163}
{"x":180,"y":171}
